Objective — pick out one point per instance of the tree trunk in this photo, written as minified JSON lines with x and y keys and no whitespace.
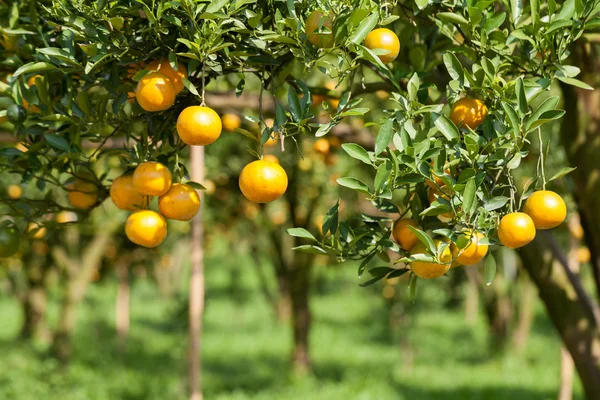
{"x":34,"y":300}
{"x":565,"y":391}
{"x":472,"y":298}
{"x":196,"y":300}
{"x":301,"y":318}
{"x":566,"y":306}
{"x":122,"y":304}
{"x":526,"y":314}
{"x":61,"y":347}
{"x":284,"y":306}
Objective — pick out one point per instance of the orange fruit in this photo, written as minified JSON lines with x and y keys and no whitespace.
{"x":164,"y":67}
{"x":199,"y":125}
{"x":516,"y":230}
{"x":438,"y":181}
{"x":468,"y":112}
{"x":263,"y":181}
{"x":152,"y":179}
{"x":403,"y":235}
{"x":444,"y":193}
{"x":231,"y":122}
{"x":10,"y":240}
{"x":181,"y":202}
{"x":271,"y":158}
{"x":430,"y":270}
{"x":321,"y":146}
{"x":472,"y":253}
{"x":39,"y":231}
{"x":383,"y":39}
{"x":83,"y":193}
{"x":577,"y":231}
{"x":21,"y":147}
{"x":335,"y":141}
{"x":313,"y":21}
{"x":317,"y":99}
{"x":33,"y":80}
{"x":146,"y":228}
{"x":66,"y":216}
{"x":546,"y":208}
{"x":155,"y":92}
{"x":15,"y":192}
{"x":125,"y":195}
{"x":583,"y":255}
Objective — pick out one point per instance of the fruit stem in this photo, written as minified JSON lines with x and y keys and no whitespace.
{"x":542,"y":161}
{"x":203,"y":104}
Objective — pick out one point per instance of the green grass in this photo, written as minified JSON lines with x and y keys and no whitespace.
{"x":246,"y":352}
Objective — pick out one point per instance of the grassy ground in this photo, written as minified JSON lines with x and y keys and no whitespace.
{"x":246,"y":352}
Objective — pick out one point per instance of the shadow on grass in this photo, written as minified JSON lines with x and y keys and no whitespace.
{"x":467,"y":393}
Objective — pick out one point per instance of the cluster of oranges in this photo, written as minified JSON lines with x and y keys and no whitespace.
{"x":380,"y":39}
{"x":544,"y":209}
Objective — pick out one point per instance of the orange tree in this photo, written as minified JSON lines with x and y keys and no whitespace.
{"x":464,"y":77}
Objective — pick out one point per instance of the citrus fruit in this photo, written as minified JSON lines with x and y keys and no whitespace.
{"x":271,"y":158}
{"x":15,"y":192}
{"x":146,"y":228}
{"x":263,"y":181}
{"x":577,"y":231}
{"x":16,"y":114}
{"x":403,"y":235}
{"x":583,"y":255}
{"x":472,"y":253}
{"x":199,"y":125}
{"x":546,"y":208}
{"x":429,"y":270}
{"x":231,"y":122}
{"x":125,"y":195}
{"x":5,"y":102}
{"x":64,"y":217}
{"x":181,"y":202}
{"x":152,"y":179}
{"x":468,"y":112}
{"x":83,"y":193}
{"x":10,"y":239}
{"x":383,"y":39}
{"x":445,"y":193}
{"x":39,"y":231}
{"x":314,"y":20}
{"x":321,"y":146}
{"x":164,"y":67}
{"x":516,"y":230}
{"x":155,"y":92}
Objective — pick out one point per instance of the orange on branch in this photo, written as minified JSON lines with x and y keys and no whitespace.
{"x":155,"y":92}
{"x":146,"y":228}
{"x":181,"y":202}
{"x":430,"y":270}
{"x":164,"y":67}
{"x":15,"y":192}
{"x":321,"y":146}
{"x":231,"y":122}
{"x":199,"y":125}
{"x":468,"y":112}
{"x":472,"y":253}
{"x":383,"y":39}
{"x":314,"y":20}
{"x":516,"y":229}
{"x":546,"y":208}
{"x":83,"y":193}
{"x":125,"y":195}
{"x":402,"y":234}
{"x":262,"y":181}
{"x":152,"y":178}
{"x":271,"y":158}
{"x":39,"y":231}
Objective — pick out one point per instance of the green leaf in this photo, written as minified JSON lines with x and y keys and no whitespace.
{"x":489,"y":271}
{"x":513,"y":118}
{"x":515,"y":161}
{"x":521,"y":97}
{"x":379,"y":271}
{"x":425,"y":239}
{"x":564,"y":171}
{"x":447,"y":127}
{"x":57,"y":142}
{"x":195,"y":185}
{"x":300,"y":233}
{"x":371,"y":281}
{"x":309,"y":248}
{"x":364,"y":28}
{"x":535,"y":12}
{"x":384,"y":136}
{"x":34,"y":67}
{"x":452,"y":17}
{"x":574,"y":82}
{"x":357,"y":151}
{"x":397,"y":273}
{"x":190,"y":86}
{"x":495,"y":22}
{"x":294,"y":103}
{"x":496,"y":203}
{"x":454,"y":67}
{"x":469,"y":195}
{"x":215,"y":6}
{"x":412,"y":286}
{"x":353,"y":183}
{"x":545,"y":117}
{"x":383,"y":173}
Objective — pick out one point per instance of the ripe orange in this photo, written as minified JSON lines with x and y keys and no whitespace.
{"x":516,"y":230}
{"x":152,"y":179}
{"x":125,"y":195}
{"x":10,"y":239}
{"x":271,"y":158}
{"x":429,"y":270}
{"x":444,"y":193}
{"x":164,"y":67}
{"x":321,"y":146}
{"x":33,"y":80}
{"x":198,"y":125}
{"x":66,"y":216}
{"x":335,"y":141}
{"x":39,"y":231}
{"x":146,"y":228}
{"x":546,"y":208}
{"x":583,"y":255}
{"x":312,"y":24}
{"x":262,"y":181}
{"x":383,"y":39}
{"x":472,"y":253}
{"x":403,"y":235}
{"x":436,"y":179}
{"x":577,"y":231}
{"x":317,"y":99}
{"x":468,"y":112}
{"x":231,"y":122}
{"x":155,"y":92}
{"x":181,"y":202}
{"x":15,"y":192}
{"x":83,"y":193}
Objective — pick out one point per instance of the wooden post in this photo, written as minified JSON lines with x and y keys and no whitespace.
{"x":196,"y":283}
